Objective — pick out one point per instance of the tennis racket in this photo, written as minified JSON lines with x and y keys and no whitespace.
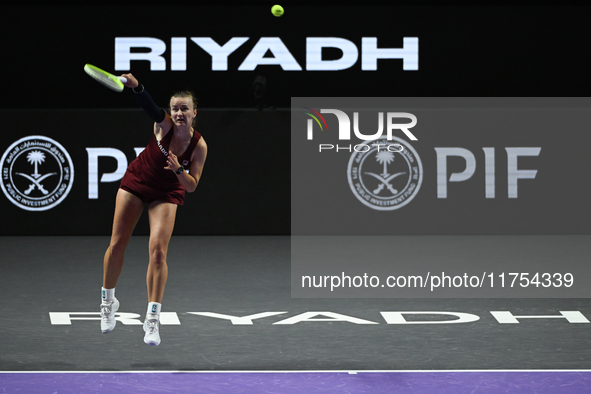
{"x":107,"y":79}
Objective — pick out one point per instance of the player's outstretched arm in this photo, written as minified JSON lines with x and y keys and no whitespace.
{"x":162,"y":120}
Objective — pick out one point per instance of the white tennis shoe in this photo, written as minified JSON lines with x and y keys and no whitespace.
{"x":152,"y":328}
{"x":108,"y":309}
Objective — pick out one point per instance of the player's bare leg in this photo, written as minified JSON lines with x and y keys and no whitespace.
{"x":128,"y":209}
{"x":162,"y":218}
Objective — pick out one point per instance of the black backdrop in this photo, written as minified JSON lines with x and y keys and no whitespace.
{"x":486,"y":49}
{"x":464,"y":50}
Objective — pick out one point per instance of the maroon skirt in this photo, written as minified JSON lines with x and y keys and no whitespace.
{"x":147,"y":193}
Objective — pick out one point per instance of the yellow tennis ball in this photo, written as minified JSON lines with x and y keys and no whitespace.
{"x":277,"y":10}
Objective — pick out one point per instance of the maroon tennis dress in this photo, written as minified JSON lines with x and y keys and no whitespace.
{"x":146,"y":177}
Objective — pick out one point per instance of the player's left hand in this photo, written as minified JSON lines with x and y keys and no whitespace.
{"x":172,"y":162}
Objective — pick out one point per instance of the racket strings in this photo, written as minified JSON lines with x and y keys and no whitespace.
{"x":104,"y":78}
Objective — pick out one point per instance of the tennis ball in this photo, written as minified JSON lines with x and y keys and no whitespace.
{"x":277,"y":10}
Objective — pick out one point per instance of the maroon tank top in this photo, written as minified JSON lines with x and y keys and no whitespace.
{"x":149,"y":165}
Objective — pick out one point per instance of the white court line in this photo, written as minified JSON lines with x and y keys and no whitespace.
{"x":323,"y":371}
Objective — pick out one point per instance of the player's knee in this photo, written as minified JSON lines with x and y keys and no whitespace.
{"x":158,"y":256}
{"x":118,"y":246}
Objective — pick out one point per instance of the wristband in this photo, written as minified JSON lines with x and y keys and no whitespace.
{"x":180,"y":170}
{"x":139,"y":85}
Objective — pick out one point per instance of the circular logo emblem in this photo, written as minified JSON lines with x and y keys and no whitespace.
{"x":385,"y":174}
{"x":37,"y":173}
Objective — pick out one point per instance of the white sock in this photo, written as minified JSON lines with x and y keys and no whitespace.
{"x":107,"y":294}
{"x":154,"y":308}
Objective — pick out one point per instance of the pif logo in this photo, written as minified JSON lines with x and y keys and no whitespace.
{"x":37,"y":173}
{"x":385,"y":174}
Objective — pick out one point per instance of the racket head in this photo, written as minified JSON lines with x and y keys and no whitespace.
{"x":105,"y":78}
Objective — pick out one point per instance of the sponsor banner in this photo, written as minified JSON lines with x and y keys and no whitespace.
{"x":61,"y":170}
{"x":375,"y":49}
{"x":365,"y":169}
{"x":440,"y":166}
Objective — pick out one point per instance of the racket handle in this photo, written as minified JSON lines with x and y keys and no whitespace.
{"x":123,"y":79}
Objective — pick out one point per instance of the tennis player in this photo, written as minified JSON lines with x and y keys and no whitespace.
{"x":171,"y":164}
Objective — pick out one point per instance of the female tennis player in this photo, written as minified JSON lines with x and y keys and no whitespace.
{"x":170,"y":165}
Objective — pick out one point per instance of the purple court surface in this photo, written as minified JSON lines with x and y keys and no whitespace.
{"x":301,"y":382}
